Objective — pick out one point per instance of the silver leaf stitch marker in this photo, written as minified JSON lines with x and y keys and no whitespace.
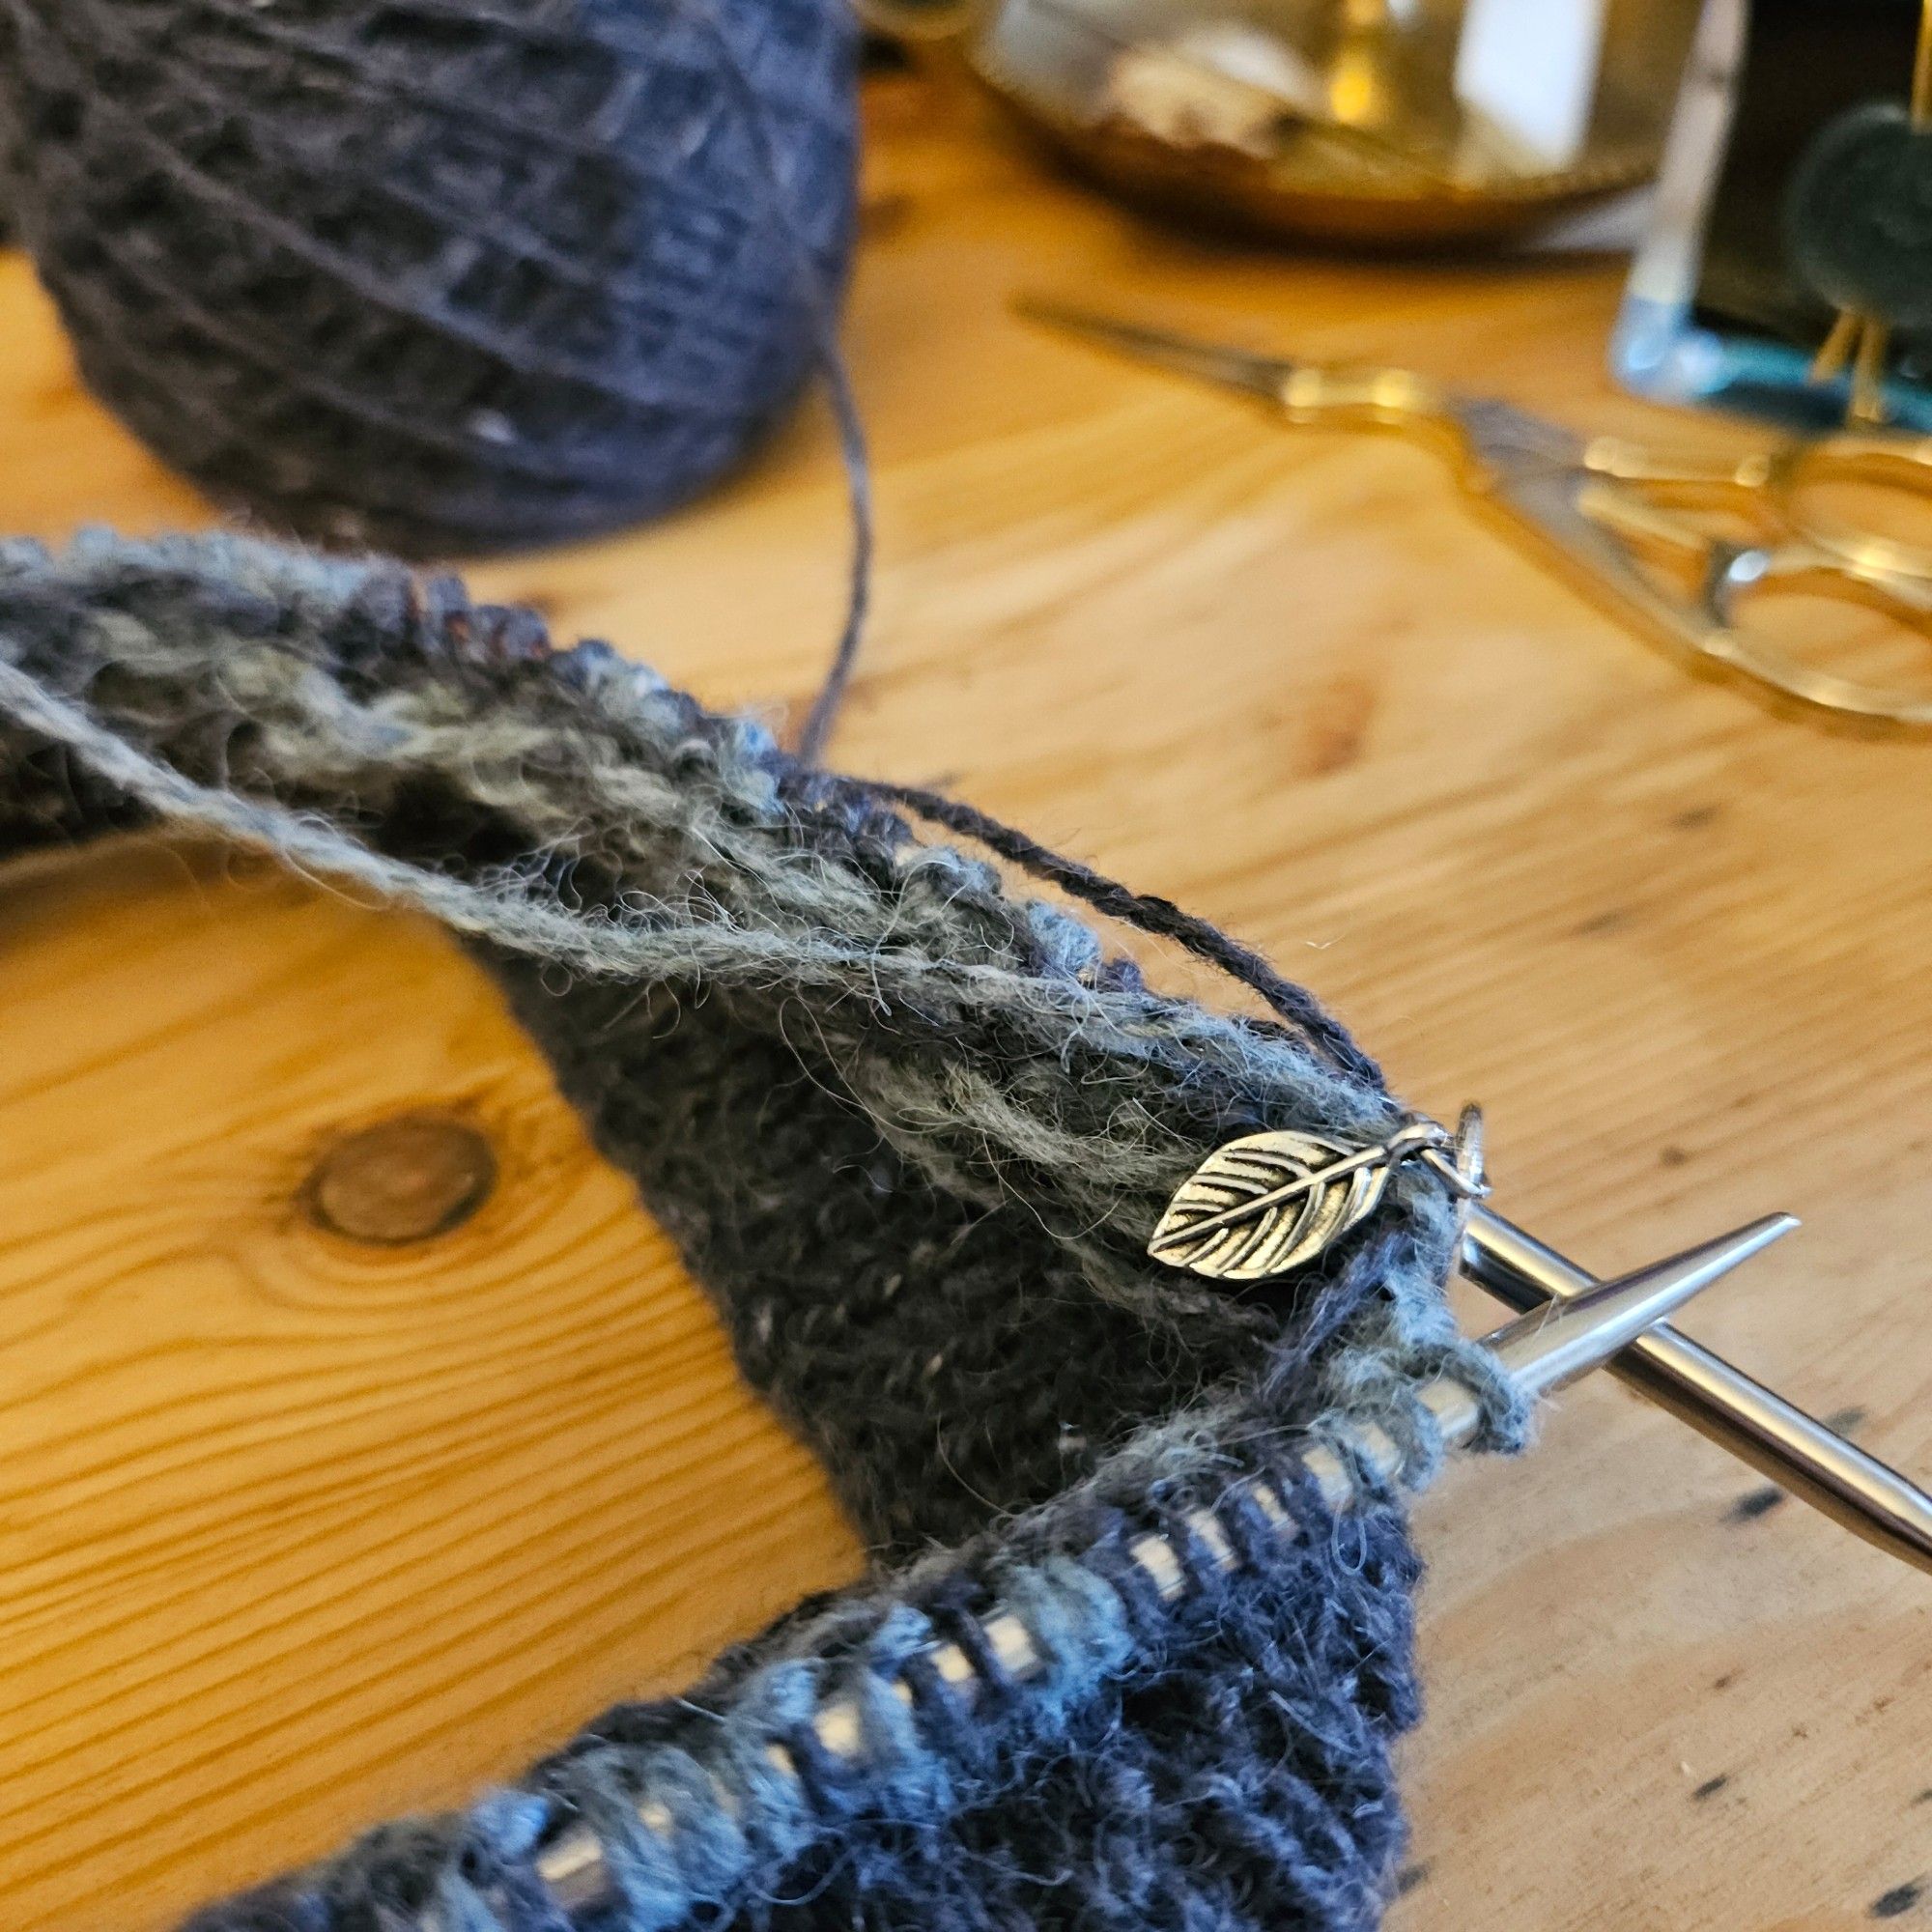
{"x":1266,"y":1205}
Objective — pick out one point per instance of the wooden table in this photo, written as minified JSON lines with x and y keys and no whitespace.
{"x":298,"y":1532}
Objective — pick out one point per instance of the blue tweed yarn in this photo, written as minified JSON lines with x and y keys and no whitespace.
{"x":445,"y":274}
{"x":911,"y":1131}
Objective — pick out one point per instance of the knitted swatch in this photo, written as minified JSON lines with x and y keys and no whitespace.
{"x":911,"y":1133}
{"x":447,"y":274}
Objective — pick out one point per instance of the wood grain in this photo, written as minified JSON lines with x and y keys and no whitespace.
{"x":294,"y":1533}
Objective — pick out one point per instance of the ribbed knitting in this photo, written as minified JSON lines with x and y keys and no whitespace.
{"x":911,"y":1132}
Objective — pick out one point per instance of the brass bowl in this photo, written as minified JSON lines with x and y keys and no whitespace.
{"x":1330,"y":120}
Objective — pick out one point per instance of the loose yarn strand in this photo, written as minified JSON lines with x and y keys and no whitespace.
{"x":523,"y":923}
{"x":816,"y":731}
{"x":1144,"y":912}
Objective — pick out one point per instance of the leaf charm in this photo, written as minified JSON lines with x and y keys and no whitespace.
{"x":1267,"y":1203}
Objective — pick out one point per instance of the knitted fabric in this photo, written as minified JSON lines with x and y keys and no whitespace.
{"x":911,"y":1132}
{"x":448,"y":274}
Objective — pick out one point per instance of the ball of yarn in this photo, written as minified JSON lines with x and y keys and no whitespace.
{"x":437,"y":274}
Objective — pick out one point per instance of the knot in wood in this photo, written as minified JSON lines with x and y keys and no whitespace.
{"x":404,"y":1179}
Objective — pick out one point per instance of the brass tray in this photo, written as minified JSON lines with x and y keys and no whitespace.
{"x":1327,"y":120}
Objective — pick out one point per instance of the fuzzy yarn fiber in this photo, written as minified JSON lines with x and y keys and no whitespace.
{"x":449,"y":275}
{"x":912,"y":1131}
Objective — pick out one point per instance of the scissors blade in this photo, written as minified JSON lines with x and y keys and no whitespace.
{"x":1505,"y":444}
{"x":1206,"y":361}
{"x":1509,"y":444}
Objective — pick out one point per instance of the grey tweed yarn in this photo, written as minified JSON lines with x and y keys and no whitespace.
{"x":451,"y":275}
{"x":911,"y":1131}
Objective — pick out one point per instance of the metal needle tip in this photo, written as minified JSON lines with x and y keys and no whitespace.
{"x":1771,"y":1434}
{"x":1556,"y":1344}
{"x":1551,"y":1346}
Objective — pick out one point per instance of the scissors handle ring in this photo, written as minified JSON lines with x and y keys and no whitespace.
{"x":1800,"y":468}
{"x":1735,"y":568}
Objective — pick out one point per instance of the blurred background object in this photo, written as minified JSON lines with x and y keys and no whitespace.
{"x":436,"y":275}
{"x":1389,"y":122}
{"x":1621,"y":521}
{"x":1789,"y":268}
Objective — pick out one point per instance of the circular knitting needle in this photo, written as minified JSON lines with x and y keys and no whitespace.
{"x":1797,"y":1452}
{"x":1555,"y":1343}
{"x":1551,"y":1346}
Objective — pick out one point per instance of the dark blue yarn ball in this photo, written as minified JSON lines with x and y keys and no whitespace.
{"x":437,"y":274}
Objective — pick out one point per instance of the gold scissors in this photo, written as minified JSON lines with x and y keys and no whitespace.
{"x":1627,"y":524}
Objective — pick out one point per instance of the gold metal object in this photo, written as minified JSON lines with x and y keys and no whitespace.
{"x":1610,"y":513}
{"x":1544,"y":1350}
{"x":1336,"y":119}
{"x":1862,"y":340}
{"x":1779,"y":1440}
